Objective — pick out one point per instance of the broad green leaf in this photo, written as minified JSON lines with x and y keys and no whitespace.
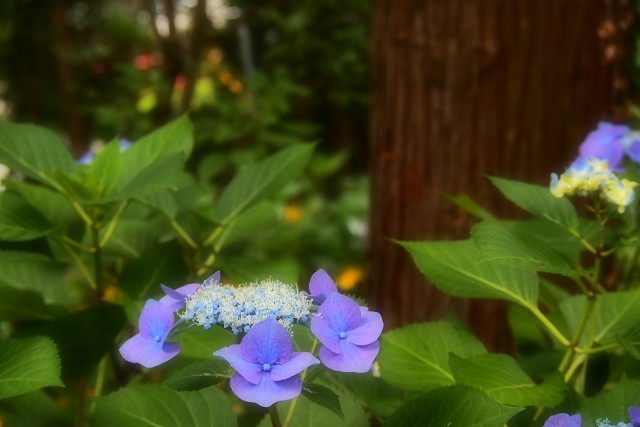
{"x":256,"y":182}
{"x":18,"y":305}
{"x":157,"y":406}
{"x":105,"y":168}
{"x":614,"y":314}
{"x":323,"y":396}
{"x":199,"y":375}
{"x":501,"y":377}
{"x":134,"y":237}
{"x":612,"y":404}
{"x":514,"y":245}
{"x":34,"y":151}
{"x":309,"y":414}
{"x":33,"y":409}
{"x":416,"y":357}
{"x":28,"y":364}
{"x":458,"y":269}
{"x":21,"y":221}
{"x":538,"y":201}
{"x":35,"y":272}
{"x":83,"y":337}
{"x":371,"y":392}
{"x":173,"y":138}
{"x":157,"y":176}
{"x":471,"y":206}
{"x":201,"y":344}
{"x":52,"y":205}
{"x":454,"y":406}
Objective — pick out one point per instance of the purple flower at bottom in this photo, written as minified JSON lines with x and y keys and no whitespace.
{"x":321,"y":285}
{"x":634,"y":416}
{"x":175,"y":298}
{"x":349,"y":334}
{"x":149,"y":348}
{"x":563,"y":420}
{"x":266,"y":366}
{"x":605,"y":143}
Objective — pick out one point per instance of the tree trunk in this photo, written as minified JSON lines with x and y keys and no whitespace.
{"x":465,"y":89}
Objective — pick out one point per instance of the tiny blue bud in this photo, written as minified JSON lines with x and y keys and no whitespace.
{"x":266,"y":367}
{"x":343,"y":335}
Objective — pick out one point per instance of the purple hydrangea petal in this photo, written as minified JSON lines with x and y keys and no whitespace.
{"x":369,"y":330}
{"x":267,"y":392}
{"x":251,"y":372}
{"x":175,"y":298}
{"x":341,"y":313}
{"x":156,"y":320}
{"x":352,"y":358}
{"x":634,"y":416}
{"x":299,"y":362}
{"x":563,"y":420}
{"x":214,"y":279}
{"x":321,"y":285}
{"x":605,"y":143}
{"x":148,"y":352}
{"x":634,"y":151}
{"x":267,"y":342}
{"x":325,"y":334}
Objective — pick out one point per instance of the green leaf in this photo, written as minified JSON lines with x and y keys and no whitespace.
{"x":538,"y":201}
{"x":416,"y":357}
{"x":513,"y":244}
{"x":83,"y":337}
{"x":199,"y":375}
{"x":501,"y":377}
{"x":34,"y":151}
{"x":200,"y":344}
{"x":471,"y":206}
{"x":35,"y":272}
{"x":309,"y":414}
{"x":173,"y":138}
{"x":18,"y":305}
{"x":21,"y":221}
{"x":155,"y":177}
{"x":157,"y":406}
{"x":105,"y":168}
{"x":374,"y":394}
{"x":454,"y":406}
{"x":612,"y":404}
{"x":613,"y":315}
{"x":256,"y":182}
{"x":55,"y":208}
{"x":323,"y":396}
{"x":27,"y":365}
{"x":458,"y":269}
{"x":33,"y":409}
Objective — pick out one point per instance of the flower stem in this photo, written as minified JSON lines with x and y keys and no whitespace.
{"x":275,"y":417}
{"x":548,"y":325}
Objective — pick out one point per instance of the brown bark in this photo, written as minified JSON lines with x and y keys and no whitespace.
{"x":464,"y":89}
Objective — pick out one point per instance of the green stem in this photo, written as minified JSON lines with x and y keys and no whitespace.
{"x":76,"y":259}
{"x":97,"y":259}
{"x":571,"y":349}
{"x":182,"y":232}
{"x":112,"y":225}
{"x":275,"y":417}
{"x":303,"y":375}
{"x":214,"y":235}
{"x":594,"y":350}
{"x":550,"y":326}
{"x":77,"y":245}
{"x":99,"y":384}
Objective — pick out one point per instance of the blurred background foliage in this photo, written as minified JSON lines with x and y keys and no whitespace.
{"x":254,"y":77}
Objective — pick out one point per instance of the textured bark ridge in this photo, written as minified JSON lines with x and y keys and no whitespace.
{"x":466,"y":89}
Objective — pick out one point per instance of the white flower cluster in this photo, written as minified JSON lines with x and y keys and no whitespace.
{"x":239,"y":308}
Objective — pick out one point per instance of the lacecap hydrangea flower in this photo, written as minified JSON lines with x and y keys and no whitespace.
{"x":593,"y":176}
{"x":266,"y":366}
{"x":565,"y":420}
{"x":176,"y":298}
{"x":606,"y":143}
{"x":239,"y":308}
{"x":348,"y":333}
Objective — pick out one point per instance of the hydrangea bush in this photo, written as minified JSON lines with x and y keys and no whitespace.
{"x":111,"y":316}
